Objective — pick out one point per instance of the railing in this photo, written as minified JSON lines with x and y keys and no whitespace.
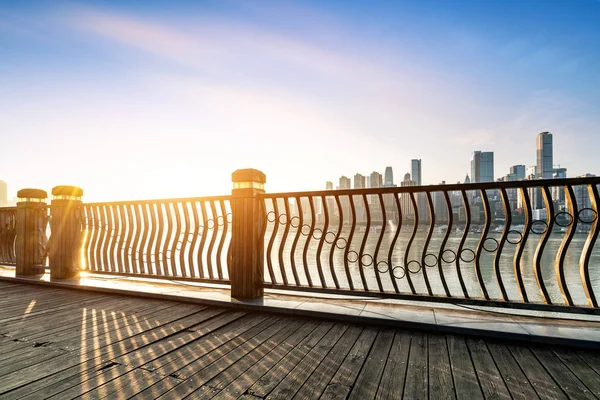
{"x":177,"y":238}
{"x":8,"y":233}
{"x":497,"y":243}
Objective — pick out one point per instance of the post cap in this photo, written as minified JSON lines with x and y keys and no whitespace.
{"x":67,"y":192}
{"x":248,"y":179}
{"x":27,"y":194}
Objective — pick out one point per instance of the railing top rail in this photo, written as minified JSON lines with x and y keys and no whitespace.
{"x":7,"y":209}
{"x":156,"y":201}
{"x":443,"y":188}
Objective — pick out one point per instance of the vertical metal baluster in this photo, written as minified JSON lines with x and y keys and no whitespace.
{"x":562,"y":251}
{"x":409,"y":244}
{"x":521,"y":247}
{"x":463,"y":240}
{"x":363,"y":244}
{"x":295,"y":241}
{"x":486,"y":228}
{"x":94,"y":240}
{"x":135,"y":222}
{"x":393,"y":244}
{"x":142,"y":258}
{"x":443,"y":245}
{"x":175,"y":236}
{"x":539,"y":251}
{"x":115,"y":238}
{"x":378,"y":245}
{"x":350,"y":236}
{"x":203,"y":235}
{"x":507,"y":222}
{"x":584,"y":267}
{"x":321,"y":240}
{"x":195,"y":269}
{"x":213,"y":239}
{"x":283,"y":241}
{"x":272,"y":241}
{"x":151,"y":252}
{"x":427,"y":240}
{"x":160,"y":265}
{"x":167,"y":253}
{"x":335,"y":239}
{"x":222,"y":241}
{"x":87,"y":228}
{"x":184,"y":234}
{"x":108,"y":240}
{"x":122,"y":246}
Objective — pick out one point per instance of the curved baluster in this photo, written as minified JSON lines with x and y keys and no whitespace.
{"x":94,"y":262}
{"x":427,"y":240}
{"x":409,"y":244}
{"x":143,"y":265}
{"x":114,"y":238}
{"x":320,"y":241}
{"x":213,"y":240}
{"x":283,"y":241}
{"x":521,"y":245}
{"x":584,"y":261}
{"x":87,"y":229}
{"x":571,"y":203}
{"x":170,"y":240}
{"x":335,"y":240}
{"x":350,"y":236}
{"x":393,"y":244}
{"x":443,"y":245}
{"x":121,"y":246}
{"x":135,"y":222}
{"x":296,"y":238}
{"x":463,"y":240}
{"x":195,"y":233}
{"x":184,"y":234}
{"x":108,"y":239}
{"x":363,"y":244}
{"x":203,"y":235}
{"x":152,"y":255}
{"x":507,"y":223}
{"x":223,"y":231}
{"x":160,"y":266}
{"x":539,"y":251}
{"x":378,"y":245}
{"x":272,"y":241}
{"x":486,"y":229}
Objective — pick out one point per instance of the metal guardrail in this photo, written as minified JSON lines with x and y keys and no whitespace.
{"x":175,"y":238}
{"x":440,"y":242}
{"x":8,"y":233}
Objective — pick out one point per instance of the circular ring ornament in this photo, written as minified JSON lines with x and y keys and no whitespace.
{"x":539,"y":222}
{"x":208,"y":221}
{"x":444,"y":256}
{"x":370,"y":259}
{"x":284,"y":216}
{"x":583,"y":221}
{"x":563,"y":225}
{"x":320,"y":233}
{"x":229,"y":217}
{"x":306,"y":231}
{"x":220,"y":220}
{"x":493,"y":240}
{"x":295,"y":218}
{"x":380,"y":270}
{"x":338,"y":245}
{"x":271,"y":216}
{"x":332,"y":240}
{"x":434,"y":258}
{"x":355,"y":254}
{"x":462,"y":255}
{"x":415,"y":262}
{"x":514,"y":232}
{"x":401,"y":270}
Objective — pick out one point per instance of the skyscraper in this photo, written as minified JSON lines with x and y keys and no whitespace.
{"x":482,"y":166}
{"x":389,"y":177}
{"x":544,"y":156}
{"x":518,"y":171}
{"x":376,"y":180}
{"x":344,"y":183}
{"x":359,"y":181}
{"x":3,"y":193}
{"x":415,"y":168}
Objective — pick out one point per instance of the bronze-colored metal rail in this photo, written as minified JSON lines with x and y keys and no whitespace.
{"x":185,"y":239}
{"x":8,"y":233}
{"x":527,"y":244}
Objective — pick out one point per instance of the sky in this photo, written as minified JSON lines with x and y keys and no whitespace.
{"x":159,"y":99}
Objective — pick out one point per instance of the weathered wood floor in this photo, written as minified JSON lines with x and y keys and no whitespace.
{"x":57,"y":343}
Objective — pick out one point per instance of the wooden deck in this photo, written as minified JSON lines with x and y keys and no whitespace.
{"x":59,"y":343}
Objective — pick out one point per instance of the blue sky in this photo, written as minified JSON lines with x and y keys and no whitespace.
{"x":166,"y":99}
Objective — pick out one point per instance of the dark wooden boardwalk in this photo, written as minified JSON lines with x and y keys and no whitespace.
{"x":59,"y":343}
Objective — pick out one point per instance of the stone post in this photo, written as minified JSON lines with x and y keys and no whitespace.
{"x":247,"y":242}
{"x":31,"y":240}
{"x":66,"y":238}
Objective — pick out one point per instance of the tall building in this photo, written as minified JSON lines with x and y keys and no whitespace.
{"x":360,"y":181}
{"x":544,"y":156}
{"x":482,"y":166}
{"x":415,"y":171}
{"x":389,"y":177}
{"x":376,"y":180}
{"x":518,"y":171}
{"x":345,"y":183}
{"x":328,"y":185}
{"x":3,"y":193}
{"x":467,"y":179}
{"x":408,"y":210}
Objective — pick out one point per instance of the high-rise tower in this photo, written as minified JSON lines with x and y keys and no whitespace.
{"x":482,"y":166}
{"x":544,"y":156}
{"x":415,"y":171}
{"x":388,"y":181}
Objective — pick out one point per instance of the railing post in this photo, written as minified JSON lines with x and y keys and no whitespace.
{"x":65,"y":241}
{"x":32,"y":220}
{"x":247,"y":243}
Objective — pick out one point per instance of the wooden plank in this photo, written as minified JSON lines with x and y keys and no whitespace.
{"x":392,"y":381}
{"x":568,"y":382}
{"x":491,"y":378}
{"x":272,"y":378}
{"x":344,"y":378}
{"x":290,"y":385}
{"x":581,"y":369}
{"x":592,"y":359}
{"x":441,"y":383}
{"x":368,"y":380}
{"x":542,"y":382}
{"x":463,"y":372}
{"x":244,"y":381}
{"x":417,"y":384}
